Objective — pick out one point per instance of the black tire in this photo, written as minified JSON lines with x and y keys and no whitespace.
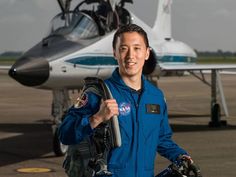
{"x":216,"y":117}
{"x":216,"y":111}
{"x":58,"y":148}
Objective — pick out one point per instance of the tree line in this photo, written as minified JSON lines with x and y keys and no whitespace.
{"x":218,"y":53}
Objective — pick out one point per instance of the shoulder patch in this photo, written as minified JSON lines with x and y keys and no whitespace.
{"x":82,"y":99}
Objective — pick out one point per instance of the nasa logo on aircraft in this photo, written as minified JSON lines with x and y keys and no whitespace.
{"x":82,"y":100}
{"x":124,"y":109}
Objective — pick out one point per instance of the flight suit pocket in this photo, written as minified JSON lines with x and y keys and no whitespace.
{"x":150,"y":130}
{"x":125,"y":129}
{"x":119,"y":156}
{"x":150,"y":153}
{"x":151,"y":125}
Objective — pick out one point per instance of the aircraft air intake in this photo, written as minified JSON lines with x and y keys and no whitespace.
{"x":150,"y":64}
{"x":30,"y":71}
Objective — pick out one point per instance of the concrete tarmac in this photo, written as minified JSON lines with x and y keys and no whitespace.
{"x":26,"y":136}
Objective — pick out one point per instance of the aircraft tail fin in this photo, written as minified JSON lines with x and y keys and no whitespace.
{"x":162,"y":25}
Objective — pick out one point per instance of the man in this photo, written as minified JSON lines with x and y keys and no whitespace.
{"x":141,"y":110}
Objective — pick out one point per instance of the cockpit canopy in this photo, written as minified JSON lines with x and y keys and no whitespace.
{"x":80,"y":25}
{"x":96,"y":19}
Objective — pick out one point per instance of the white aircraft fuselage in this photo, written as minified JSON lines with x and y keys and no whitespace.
{"x":63,"y":59}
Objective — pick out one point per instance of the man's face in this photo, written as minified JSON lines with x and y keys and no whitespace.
{"x":131,"y":53}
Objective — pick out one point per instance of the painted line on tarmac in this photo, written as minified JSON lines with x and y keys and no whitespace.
{"x":4,"y":135}
{"x":34,"y":170}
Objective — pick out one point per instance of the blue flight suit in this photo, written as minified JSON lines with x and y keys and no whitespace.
{"x":143,"y":124}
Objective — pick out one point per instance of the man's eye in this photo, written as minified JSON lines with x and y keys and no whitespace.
{"x":137,"y":48}
{"x":123,"y":49}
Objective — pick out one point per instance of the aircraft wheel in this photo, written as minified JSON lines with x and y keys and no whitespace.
{"x":58,"y":148}
{"x":216,"y":111}
{"x":216,"y":117}
{"x":179,"y":73}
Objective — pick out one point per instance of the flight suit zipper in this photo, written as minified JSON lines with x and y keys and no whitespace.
{"x":136,"y":99}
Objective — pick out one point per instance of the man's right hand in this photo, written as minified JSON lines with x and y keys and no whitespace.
{"x":108,"y":108}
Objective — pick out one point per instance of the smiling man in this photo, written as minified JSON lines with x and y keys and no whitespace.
{"x":141,"y":110}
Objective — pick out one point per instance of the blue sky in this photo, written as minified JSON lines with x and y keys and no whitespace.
{"x":203,"y":24}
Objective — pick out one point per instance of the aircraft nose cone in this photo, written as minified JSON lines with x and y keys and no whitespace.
{"x":30,"y":71}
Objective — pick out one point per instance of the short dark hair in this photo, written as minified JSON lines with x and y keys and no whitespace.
{"x":128,"y":29}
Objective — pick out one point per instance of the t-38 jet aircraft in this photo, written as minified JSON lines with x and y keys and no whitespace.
{"x":79,"y":45}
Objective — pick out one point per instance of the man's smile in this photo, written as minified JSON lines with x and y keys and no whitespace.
{"x":130,"y":63}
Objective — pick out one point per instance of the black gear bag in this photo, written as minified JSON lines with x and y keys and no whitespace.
{"x":89,"y":158}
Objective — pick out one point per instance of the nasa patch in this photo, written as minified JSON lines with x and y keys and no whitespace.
{"x":124,"y":109}
{"x":82,"y":100}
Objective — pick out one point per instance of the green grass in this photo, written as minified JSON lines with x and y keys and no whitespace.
{"x":7,"y":60}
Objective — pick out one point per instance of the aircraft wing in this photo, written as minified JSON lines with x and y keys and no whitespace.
{"x":190,"y":67}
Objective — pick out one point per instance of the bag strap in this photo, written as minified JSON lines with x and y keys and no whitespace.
{"x":98,"y":86}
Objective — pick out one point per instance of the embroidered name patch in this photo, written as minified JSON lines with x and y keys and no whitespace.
{"x":153,"y":108}
{"x":124,"y":109}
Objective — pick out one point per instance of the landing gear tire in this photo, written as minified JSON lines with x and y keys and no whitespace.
{"x":216,"y":112}
{"x":58,"y":148}
{"x":216,"y":117}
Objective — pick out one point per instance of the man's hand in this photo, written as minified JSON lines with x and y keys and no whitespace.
{"x":187,"y":159}
{"x":192,"y":167}
{"x":108,"y":108}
